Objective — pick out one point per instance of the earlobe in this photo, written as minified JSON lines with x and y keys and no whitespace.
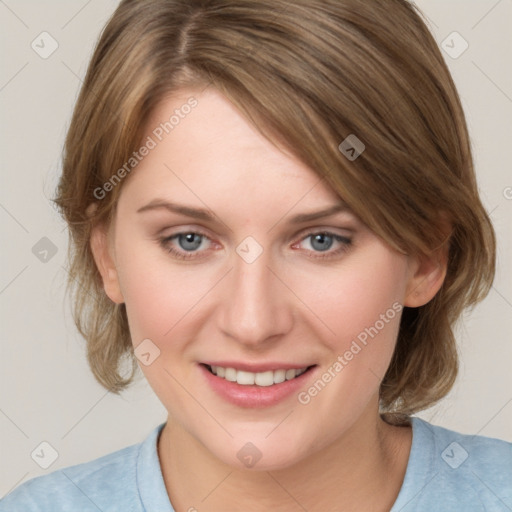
{"x":105,"y":262}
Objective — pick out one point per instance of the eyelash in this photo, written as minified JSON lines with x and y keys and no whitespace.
{"x":346,"y":243}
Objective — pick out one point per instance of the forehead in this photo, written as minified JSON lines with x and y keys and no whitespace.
{"x":204,"y":149}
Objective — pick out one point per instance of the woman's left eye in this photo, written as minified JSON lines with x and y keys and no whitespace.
{"x":190,"y":241}
{"x":322,"y":241}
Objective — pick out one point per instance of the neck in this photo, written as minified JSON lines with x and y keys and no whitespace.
{"x":363,"y":470}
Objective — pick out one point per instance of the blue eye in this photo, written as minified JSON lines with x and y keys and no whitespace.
{"x":190,"y":241}
{"x":322,"y":241}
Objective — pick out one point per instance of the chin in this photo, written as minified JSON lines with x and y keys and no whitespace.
{"x":258,"y":454}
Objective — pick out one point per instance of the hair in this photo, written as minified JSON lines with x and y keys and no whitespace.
{"x":306,"y":74}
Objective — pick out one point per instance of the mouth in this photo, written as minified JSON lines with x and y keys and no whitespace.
{"x":262,"y":379}
{"x":269,"y":384}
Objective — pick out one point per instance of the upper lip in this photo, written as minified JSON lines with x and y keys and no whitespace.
{"x":257,"y":367}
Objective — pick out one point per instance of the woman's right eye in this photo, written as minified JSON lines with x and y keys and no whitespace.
{"x":188,"y":242}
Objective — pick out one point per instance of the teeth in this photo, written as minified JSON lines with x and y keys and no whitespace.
{"x":259,"y":379}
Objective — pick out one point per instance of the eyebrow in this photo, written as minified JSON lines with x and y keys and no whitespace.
{"x":206,"y":215}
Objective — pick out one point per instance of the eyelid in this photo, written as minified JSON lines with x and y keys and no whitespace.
{"x":182,"y":228}
{"x":335,"y":230}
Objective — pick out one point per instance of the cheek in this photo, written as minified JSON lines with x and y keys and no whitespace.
{"x":361,"y":305}
{"x":150,"y":310}
{"x":160,"y":301}
{"x":158,"y":294}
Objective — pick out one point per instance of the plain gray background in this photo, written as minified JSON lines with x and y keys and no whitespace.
{"x":47,"y":391}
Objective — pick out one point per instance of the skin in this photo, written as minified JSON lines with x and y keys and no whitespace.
{"x":288,"y":305}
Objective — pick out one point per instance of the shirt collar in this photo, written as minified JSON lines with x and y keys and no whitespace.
{"x":150,"y":480}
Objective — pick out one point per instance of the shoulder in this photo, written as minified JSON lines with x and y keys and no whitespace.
{"x":452,"y":471}
{"x":472,"y":454}
{"x":107,"y":483}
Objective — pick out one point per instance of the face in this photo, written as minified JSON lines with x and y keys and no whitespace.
{"x":247,"y":286}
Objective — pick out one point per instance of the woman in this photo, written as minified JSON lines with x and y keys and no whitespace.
{"x":274,"y":214}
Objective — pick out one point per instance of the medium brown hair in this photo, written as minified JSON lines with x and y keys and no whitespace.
{"x":307,"y":74}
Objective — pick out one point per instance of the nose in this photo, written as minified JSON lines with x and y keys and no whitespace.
{"x":256,"y":306}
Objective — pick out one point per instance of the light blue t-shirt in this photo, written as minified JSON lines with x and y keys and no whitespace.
{"x":446,"y":471}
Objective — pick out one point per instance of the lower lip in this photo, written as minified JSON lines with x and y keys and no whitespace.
{"x":254,"y":396}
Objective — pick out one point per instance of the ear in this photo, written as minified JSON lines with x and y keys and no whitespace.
{"x":103,"y":252}
{"x":427,"y":274}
